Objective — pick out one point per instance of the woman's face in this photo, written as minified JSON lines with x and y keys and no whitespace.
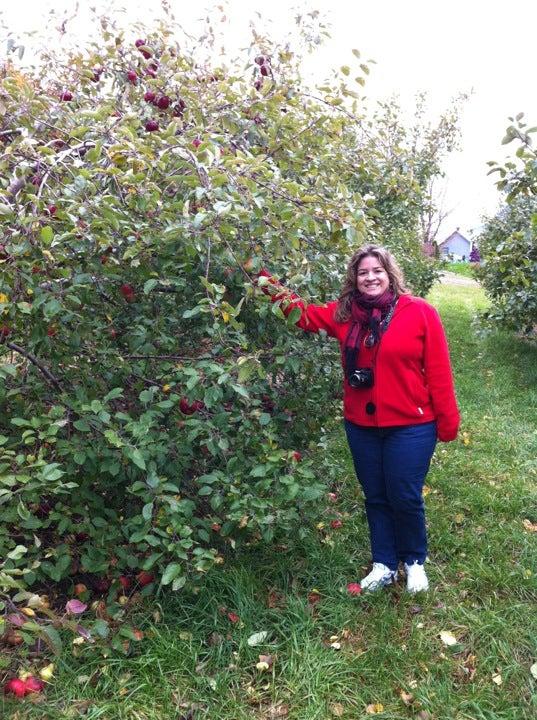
{"x":371,"y":277}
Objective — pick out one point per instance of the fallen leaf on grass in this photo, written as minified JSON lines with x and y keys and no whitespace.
{"x":458,"y":518}
{"x":265,"y":662}
{"x":374,"y":708}
{"x":277,"y":711}
{"x":257,"y":638}
{"x":529,"y":526}
{"x":337,"y":709}
{"x":497,"y":679}
{"x":448,"y":638}
{"x":275,"y":599}
{"x":406,"y":697}
{"x":533,"y":670}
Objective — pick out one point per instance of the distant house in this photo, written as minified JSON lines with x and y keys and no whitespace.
{"x":455,"y":247}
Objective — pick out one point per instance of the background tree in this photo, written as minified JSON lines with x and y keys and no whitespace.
{"x":508,"y":242}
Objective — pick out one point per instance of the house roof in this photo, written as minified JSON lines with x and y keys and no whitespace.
{"x":453,"y":234}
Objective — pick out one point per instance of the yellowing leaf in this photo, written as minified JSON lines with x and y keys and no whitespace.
{"x":497,"y":679}
{"x":337,"y":709}
{"x":448,"y":638}
{"x":225,"y":316}
{"x":406,"y":697}
{"x":47,"y":672}
{"x":3,"y":299}
{"x":374,"y":708}
{"x":528,"y":525}
{"x":28,"y":611}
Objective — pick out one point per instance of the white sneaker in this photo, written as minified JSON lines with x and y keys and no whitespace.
{"x":416,"y":579}
{"x":379,"y":576}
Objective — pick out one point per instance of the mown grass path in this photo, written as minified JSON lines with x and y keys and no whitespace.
{"x":337,"y":656}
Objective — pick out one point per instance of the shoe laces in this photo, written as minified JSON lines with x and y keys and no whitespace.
{"x":378,"y":572}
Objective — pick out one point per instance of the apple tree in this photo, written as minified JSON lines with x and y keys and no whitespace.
{"x":156,"y":410}
{"x":508,"y":241}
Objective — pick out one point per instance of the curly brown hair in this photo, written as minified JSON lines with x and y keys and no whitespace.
{"x":388,"y":262}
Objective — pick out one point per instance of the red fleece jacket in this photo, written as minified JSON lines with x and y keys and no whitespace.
{"x":412,"y":370}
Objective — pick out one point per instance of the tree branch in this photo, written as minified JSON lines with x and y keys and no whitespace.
{"x":32,"y":358}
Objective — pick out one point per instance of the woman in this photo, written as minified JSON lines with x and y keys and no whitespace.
{"x":398,"y":400}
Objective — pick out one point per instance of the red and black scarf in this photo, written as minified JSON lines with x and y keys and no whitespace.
{"x":369,"y":318}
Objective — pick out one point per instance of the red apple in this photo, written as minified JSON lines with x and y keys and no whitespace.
{"x":336,"y":524}
{"x":125,"y":583}
{"x":163,"y":102}
{"x":66,"y":96}
{"x":149,"y":96}
{"x":141,"y":44}
{"x":127,"y":291}
{"x":51,"y":209}
{"x":15,"y":687}
{"x":260,"y":60}
{"x":145,"y":578}
{"x":185,"y":407}
{"x":5,"y":330}
{"x":233,"y":617}
{"x":332,"y":497}
{"x":196,"y":142}
{"x":216,"y":527}
{"x":297,"y":456}
{"x":264,"y":70}
{"x":33,"y":684}
{"x":52,"y":330}
{"x":132,"y":77}
{"x":80,"y":589}
{"x":354,"y":588}
{"x":151,"y":126}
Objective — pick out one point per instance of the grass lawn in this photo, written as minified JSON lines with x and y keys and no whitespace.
{"x":338,"y":656}
{"x":461,"y":268}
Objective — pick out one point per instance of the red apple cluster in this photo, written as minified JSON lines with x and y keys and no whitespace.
{"x":264,"y":65}
{"x":190,"y":408}
{"x":20,"y":688}
{"x":140,"y":44}
{"x":128,"y":292}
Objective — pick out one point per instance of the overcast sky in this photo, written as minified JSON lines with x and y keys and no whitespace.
{"x":488,"y":48}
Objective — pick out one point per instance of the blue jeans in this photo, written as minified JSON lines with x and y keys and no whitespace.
{"x":391,"y":464}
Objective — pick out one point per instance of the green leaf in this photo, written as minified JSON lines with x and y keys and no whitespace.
{"x":52,"y":637}
{"x":150,"y":285}
{"x":136,"y":456}
{"x":172,"y":571}
{"x":47,"y":234}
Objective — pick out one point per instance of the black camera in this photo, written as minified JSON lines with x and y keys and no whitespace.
{"x":361,"y":378}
